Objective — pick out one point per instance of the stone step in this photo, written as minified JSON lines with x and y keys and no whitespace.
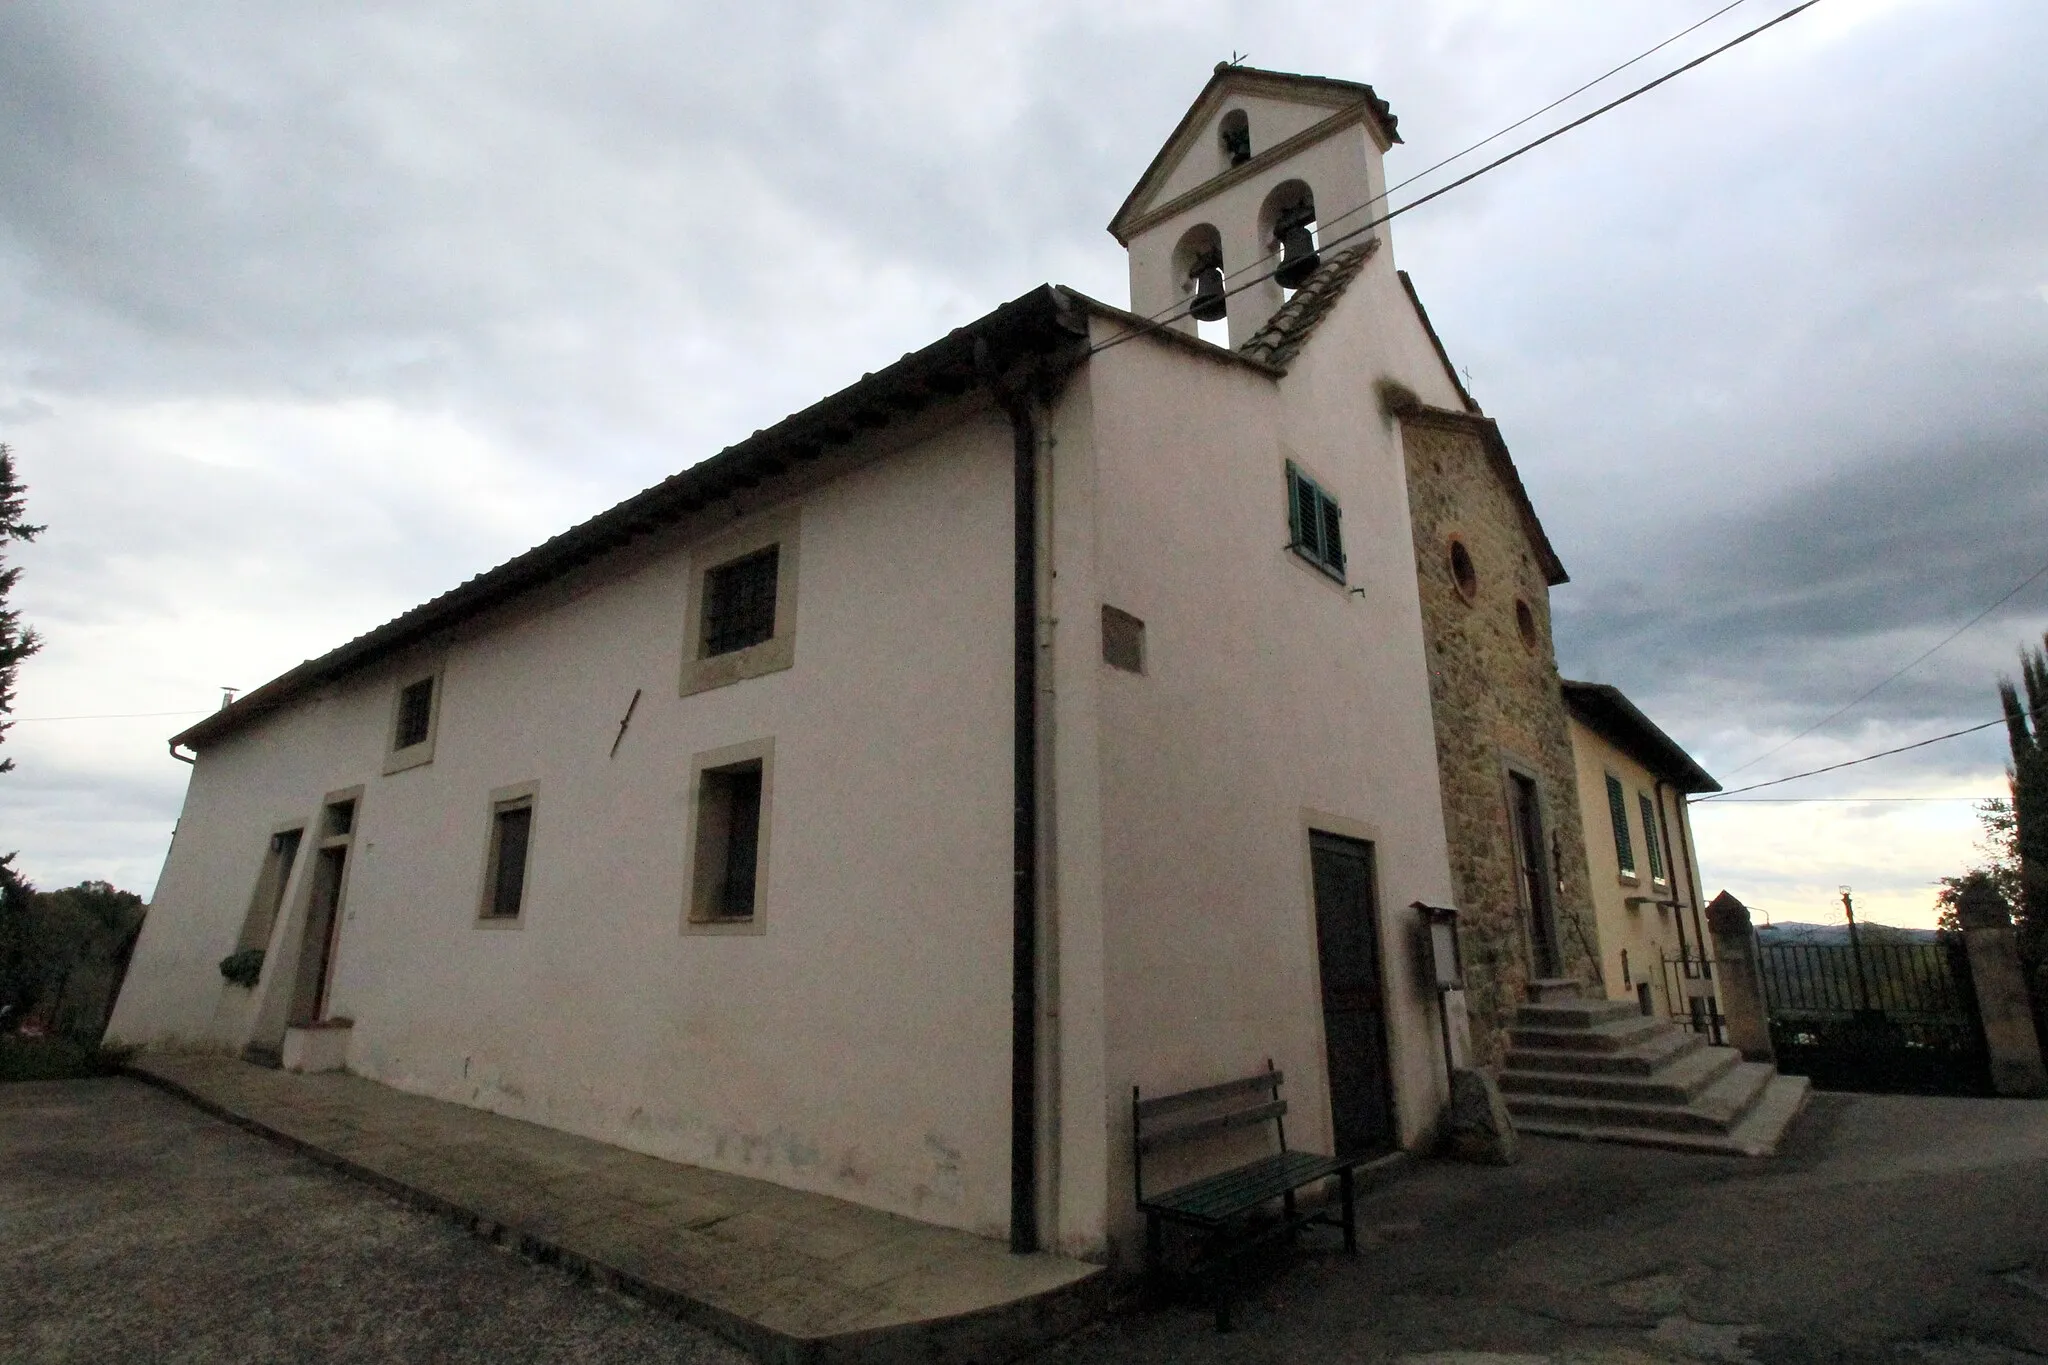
{"x":1575,"y":1013}
{"x":1679,"y":1082}
{"x":1660,"y":1048}
{"x":1610,"y":1036}
{"x":1757,"y":1134}
{"x":1716,"y":1109}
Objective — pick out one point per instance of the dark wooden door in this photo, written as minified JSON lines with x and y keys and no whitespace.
{"x":1354,"y":1000}
{"x":316,"y":949}
{"x":1538,"y":907}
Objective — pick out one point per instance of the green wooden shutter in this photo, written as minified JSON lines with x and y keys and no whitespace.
{"x":1314,"y":522}
{"x":1333,"y":536}
{"x":1617,"y":808}
{"x":1650,"y":836}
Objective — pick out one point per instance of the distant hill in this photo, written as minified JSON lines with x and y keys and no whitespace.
{"x":1770,"y":934}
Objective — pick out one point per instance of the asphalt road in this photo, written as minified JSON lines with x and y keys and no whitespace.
{"x":1906,"y":1231}
{"x":1891,"y":1230}
{"x":134,"y":1228}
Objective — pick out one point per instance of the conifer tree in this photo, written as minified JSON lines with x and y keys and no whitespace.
{"x":17,"y":642}
{"x":2029,"y":775}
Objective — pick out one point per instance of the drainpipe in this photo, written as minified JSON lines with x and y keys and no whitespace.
{"x":1015,"y":399}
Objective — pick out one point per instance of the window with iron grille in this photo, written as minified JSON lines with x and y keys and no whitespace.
{"x":415,"y":714}
{"x":1650,"y":836}
{"x":1314,"y":523}
{"x":1617,"y":810}
{"x":739,"y":602}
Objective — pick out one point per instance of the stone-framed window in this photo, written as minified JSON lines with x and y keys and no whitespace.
{"x":415,"y":717}
{"x":732,"y":800}
{"x":508,"y":857}
{"x":741,"y":619}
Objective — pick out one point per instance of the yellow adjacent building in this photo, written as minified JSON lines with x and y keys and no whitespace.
{"x":1633,"y":783}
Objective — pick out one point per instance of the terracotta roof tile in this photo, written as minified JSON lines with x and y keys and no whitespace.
{"x":1288,"y":330}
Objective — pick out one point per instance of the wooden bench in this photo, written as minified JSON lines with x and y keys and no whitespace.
{"x":1219,"y":1207}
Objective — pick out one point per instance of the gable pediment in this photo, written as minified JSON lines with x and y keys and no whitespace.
{"x":1287,"y":113}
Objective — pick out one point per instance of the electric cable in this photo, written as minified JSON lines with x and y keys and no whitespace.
{"x":124,"y":715}
{"x":1469,"y":177}
{"x":2037,"y":717}
{"x":1491,"y":137}
{"x":2025,"y":583}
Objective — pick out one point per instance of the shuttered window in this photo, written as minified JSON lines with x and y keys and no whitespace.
{"x":1617,"y":808}
{"x":1650,"y":839}
{"x":1315,"y":524}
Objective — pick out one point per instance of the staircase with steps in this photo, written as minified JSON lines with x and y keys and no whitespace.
{"x":1602,"y":1070}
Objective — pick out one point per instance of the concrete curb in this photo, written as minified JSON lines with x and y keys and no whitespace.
{"x":1000,"y":1333}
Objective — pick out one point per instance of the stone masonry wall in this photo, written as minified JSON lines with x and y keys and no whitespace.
{"x":1497,"y":702}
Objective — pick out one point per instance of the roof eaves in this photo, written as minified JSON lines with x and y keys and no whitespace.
{"x":1041,"y":321}
{"x":1605,"y":708}
{"x":1488,"y":431}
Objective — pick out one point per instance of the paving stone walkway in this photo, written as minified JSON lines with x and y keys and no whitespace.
{"x":789,"y":1276}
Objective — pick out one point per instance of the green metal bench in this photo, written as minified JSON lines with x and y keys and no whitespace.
{"x":1220,"y":1207}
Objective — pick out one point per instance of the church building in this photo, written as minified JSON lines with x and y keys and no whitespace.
{"x":1092,"y":698}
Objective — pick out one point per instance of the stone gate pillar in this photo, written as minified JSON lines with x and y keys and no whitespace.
{"x":1738,"y":975}
{"x":2001,"y":991}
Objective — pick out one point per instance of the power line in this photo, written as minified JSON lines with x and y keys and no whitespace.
{"x":2025,"y":583}
{"x":1469,"y":177}
{"x":1834,"y":767}
{"x":1492,"y":137}
{"x":125,"y":715}
{"x":1846,"y":800}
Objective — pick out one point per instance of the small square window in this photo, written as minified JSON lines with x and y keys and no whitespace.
{"x":1315,"y":523}
{"x":1123,"y":640}
{"x":511,"y":848}
{"x":415,"y":709}
{"x":1617,"y":811}
{"x":728,"y":842}
{"x":739,"y":602}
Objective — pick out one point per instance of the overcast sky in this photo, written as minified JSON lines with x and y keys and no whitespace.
{"x":308,"y":313}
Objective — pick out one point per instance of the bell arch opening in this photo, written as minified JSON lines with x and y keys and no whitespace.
{"x":1234,"y":136}
{"x":1198,"y":271}
{"x":1287,"y":226}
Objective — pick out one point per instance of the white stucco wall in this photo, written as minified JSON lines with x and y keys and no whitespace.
{"x":1274,"y":701}
{"x":860,"y":1045}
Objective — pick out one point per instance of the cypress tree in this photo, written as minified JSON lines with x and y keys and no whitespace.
{"x":2029,"y":778}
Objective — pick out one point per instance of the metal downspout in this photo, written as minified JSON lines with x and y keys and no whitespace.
{"x":1016,"y":402}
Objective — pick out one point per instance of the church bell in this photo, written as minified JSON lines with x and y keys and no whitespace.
{"x":1298,"y":258}
{"x":1209,"y":303}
